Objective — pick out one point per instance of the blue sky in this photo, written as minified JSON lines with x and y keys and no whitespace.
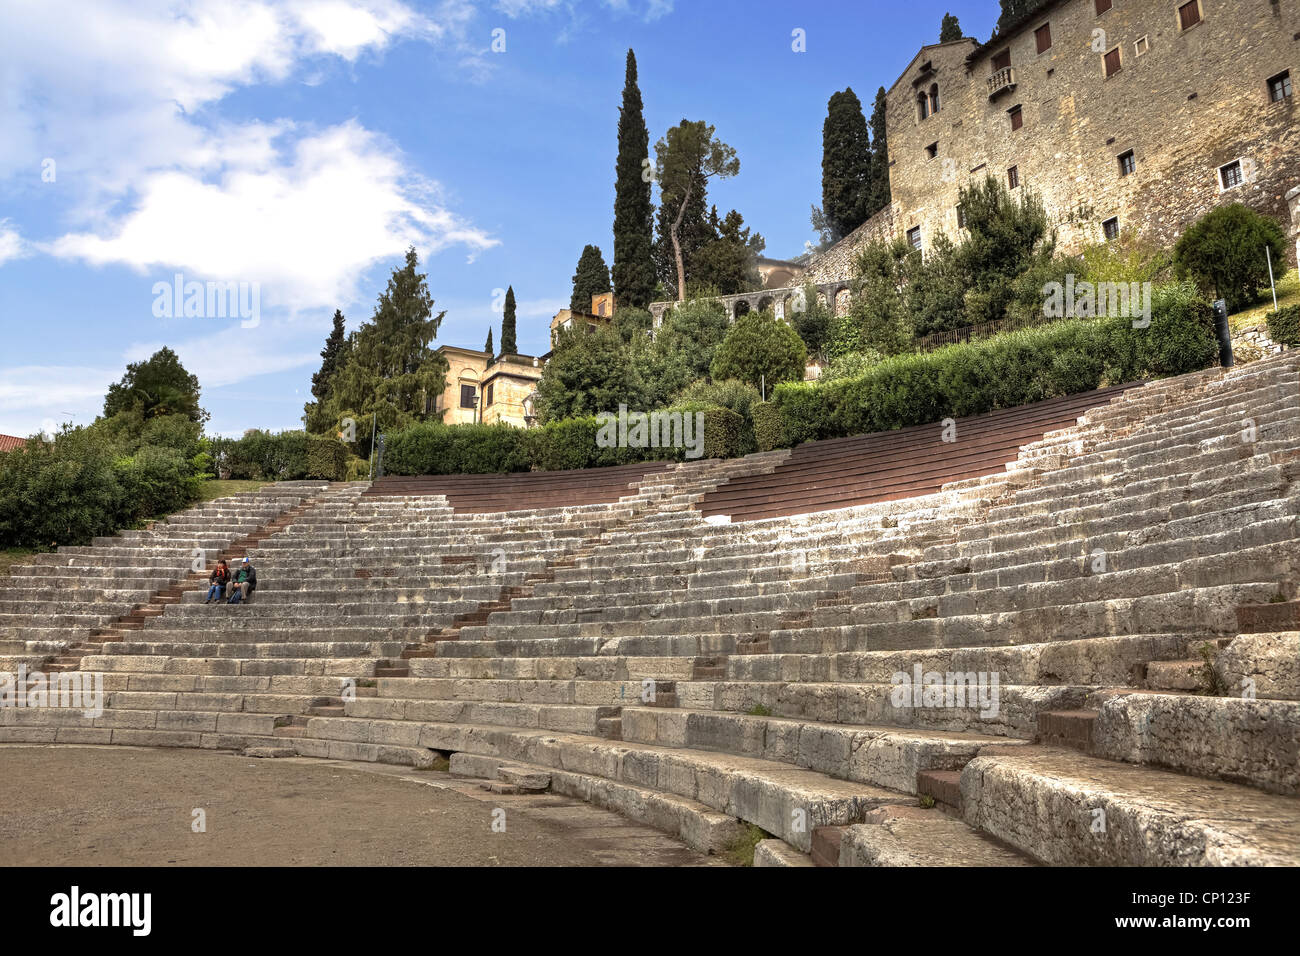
{"x":301,"y":145}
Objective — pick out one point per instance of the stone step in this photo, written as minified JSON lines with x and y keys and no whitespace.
{"x":909,"y":836}
{"x":1068,"y":809}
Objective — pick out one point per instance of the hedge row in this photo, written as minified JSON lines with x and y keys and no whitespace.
{"x":437,"y":449}
{"x":282,"y":456}
{"x":1017,"y":368}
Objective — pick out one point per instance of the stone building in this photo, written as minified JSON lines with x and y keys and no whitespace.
{"x":602,"y":313}
{"x":486,"y":388}
{"x":1126,"y":116}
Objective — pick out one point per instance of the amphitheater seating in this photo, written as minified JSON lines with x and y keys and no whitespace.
{"x":1131,"y":579}
{"x":490,"y":494}
{"x":894,"y":465}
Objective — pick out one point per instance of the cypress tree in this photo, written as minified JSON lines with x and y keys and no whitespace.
{"x":488,"y":347}
{"x":950,"y":30}
{"x":592,"y":278}
{"x":508,"y":343}
{"x":846,"y":164}
{"x":879,"y":196}
{"x":634,"y":267}
{"x":330,"y":354}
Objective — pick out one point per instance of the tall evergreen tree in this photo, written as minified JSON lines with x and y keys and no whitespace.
{"x":592,"y":278}
{"x":879,"y":196}
{"x":390,"y":369}
{"x":634,"y":263}
{"x":509,"y":345}
{"x":950,"y":30}
{"x":1013,"y":11}
{"x":331,"y":356}
{"x":728,"y":263}
{"x":488,"y":347}
{"x":846,"y":165}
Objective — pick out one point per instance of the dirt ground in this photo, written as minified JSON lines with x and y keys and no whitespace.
{"x":127,"y":806}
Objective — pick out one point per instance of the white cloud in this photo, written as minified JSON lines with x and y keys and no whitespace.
{"x":306,"y":227}
{"x":33,"y":396}
{"x":12,"y":245}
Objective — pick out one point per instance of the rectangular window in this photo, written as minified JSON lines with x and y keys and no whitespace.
{"x":914,"y":237}
{"x":1111,"y":63}
{"x":1189,"y":14}
{"x":487,"y":395}
{"x":1017,"y":117}
{"x":1043,"y":37}
{"x":1002,"y":61}
{"x":1279,"y":87}
{"x":1013,"y":177}
{"x":467,"y":396}
{"x":1141,"y":45}
{"x":1110,"y":228}
{"x":1230,"y":175}
{"x":1127,"y":164}
{"x":1103,"y":6}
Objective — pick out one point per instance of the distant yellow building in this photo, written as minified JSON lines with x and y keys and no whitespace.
{"x":488,"y":389}
{"x":602,"y":313}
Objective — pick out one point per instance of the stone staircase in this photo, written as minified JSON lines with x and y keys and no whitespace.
{"x":1130,"y":581}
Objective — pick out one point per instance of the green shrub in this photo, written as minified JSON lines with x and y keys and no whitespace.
{"x":262,"y":455}
{"x":1224,"y":252}
{"x":357,"y":469}
{"x":725,"y":435}
{"x":64,"y":491}
{"x":738,"y":396}
{"x":1284,"y":326}
{"x":759,"y":348}
{"x":154,"y":481}
{"x":432,"y":448}
{"x":769,"y":426}
{"x":327,"y":458}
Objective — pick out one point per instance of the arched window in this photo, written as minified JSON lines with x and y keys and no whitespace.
{"x":923,"y":106}
{"x":934,"y":98}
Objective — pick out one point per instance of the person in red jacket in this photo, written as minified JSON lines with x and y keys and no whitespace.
{"x":217,"y":582}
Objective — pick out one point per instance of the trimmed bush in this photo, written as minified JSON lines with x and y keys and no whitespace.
{"x":432,"y":448}
{"x":263,"y":456}
{"x":327,"y":458}
{"x":760,"y":348}
{"x":1284,"y":326}
{"x":769,"y":426}
{"x":1225,"y":253}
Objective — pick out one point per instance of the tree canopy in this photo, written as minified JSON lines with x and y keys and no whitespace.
{"x":634,"y":262}
{"x":155,"y":387}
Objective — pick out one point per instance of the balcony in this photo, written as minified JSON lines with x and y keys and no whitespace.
{"x":1002,"y":81}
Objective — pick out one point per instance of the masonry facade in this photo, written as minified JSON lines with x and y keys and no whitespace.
{"x":1125,"y":116}
{"x":487,"y":389}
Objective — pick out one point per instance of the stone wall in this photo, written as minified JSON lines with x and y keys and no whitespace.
{"x":836,"y":263}
{"x":1192,"y":102}
{"x":1293,"y":197}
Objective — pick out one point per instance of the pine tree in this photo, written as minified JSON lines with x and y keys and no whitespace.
{"x":689,"y":156}
{"x":1013,"y":11}
{"x":846,"y":165}
{"x":634,"y":264}
{"x":488,"y":347}
{"x":879,"y":196}
{"x":321,"y":382}
{"x":950,"y":30}
{"x":389,"y":368}
{"x":592,"y":278}
{"x":508,"y":344}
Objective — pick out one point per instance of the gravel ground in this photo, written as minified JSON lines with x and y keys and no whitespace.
{"x":126,"y":806}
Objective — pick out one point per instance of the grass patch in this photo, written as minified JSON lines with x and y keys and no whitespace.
{"x":740,"y":852}
{"x":758,"y":710}
{"x":13,"y":556}
{"x":215,"y":488}
{"x":1214,"y":684}
{"x":1288,"y":293}
{"x":439,"y":765}
{"x":926,"y":801}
